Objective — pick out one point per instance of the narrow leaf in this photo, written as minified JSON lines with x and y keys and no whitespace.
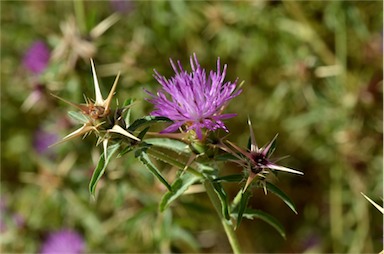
{"x":250,"y":214}
{"x":77,"y":116}
{"x":127,"y":116}
{"x":179,"y":186}
{"x":222,"y":195}
{"x":101,"y":166}
{"x":170,"y":144}
{"x":142,"y":133}
{"x":144,"y":158}
{"x":275,"y":190}
{"x":242,"y":206}
{"x":147,"y":120}
{"x":230,"y":178}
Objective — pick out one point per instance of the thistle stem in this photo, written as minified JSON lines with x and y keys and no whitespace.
{"x":211,"y":194}
{"x":226,"y":224}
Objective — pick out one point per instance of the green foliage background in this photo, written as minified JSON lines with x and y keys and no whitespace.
{"x":312,"y":72}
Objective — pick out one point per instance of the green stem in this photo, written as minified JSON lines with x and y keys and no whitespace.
{"x":226,"y":224}
{"x":211,"y":194}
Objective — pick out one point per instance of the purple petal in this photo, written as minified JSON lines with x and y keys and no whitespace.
{"x":195,"y":98}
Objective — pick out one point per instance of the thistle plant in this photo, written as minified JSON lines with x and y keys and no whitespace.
{"x":192,"y":104}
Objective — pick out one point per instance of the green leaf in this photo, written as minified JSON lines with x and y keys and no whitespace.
{"x":127,"y":150}
{"x":179,"y":186}
{"x":146,"y":121}
{"x":144,"y":158}
{"x":170,"y":144}
{"x":101,"y":166}
{"x":222,"y":195}
{"x":142,"y":133}
{"x":127,"y":104}
{"x":250,"y":214}
{"x":275,"y":190}
{"x":77,"y":116}
{"x":230,"y":178}
{"x":242,"y":206}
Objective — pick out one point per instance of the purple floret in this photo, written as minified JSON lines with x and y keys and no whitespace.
{"x":37,"y":57}
{"x":194,"y":99}
{"x":63,"y":241}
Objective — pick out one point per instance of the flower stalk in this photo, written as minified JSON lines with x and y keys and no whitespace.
{"x":228,"y":228}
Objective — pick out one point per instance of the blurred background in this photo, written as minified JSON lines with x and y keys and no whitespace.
{"x":312,"y":72}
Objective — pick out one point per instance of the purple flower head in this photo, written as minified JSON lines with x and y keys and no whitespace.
{"x":63,"y":241}
{"x":37,"y":57}
{"x":42,"y":140}
{"x":194,"y":100}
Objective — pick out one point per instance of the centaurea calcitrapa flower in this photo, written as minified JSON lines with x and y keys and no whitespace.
{"x":257,"y":160}
{"x":99,"y":117}
{"x":194,"y":101}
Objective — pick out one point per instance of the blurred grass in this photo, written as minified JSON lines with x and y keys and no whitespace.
{"x":313,"y":74}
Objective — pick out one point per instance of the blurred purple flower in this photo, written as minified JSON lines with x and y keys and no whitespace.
{"x":122,"y":6}
{"x":18,"y":219}
{"x":196,"y":101}
{"x":42,"y":140}
{"x":311,"y":240}
{"x":37,"y":57}
{"x":63,"y":241}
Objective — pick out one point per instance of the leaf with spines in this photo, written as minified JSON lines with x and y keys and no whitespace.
{"x":179,"y":186}
{"x":101,"y":166}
